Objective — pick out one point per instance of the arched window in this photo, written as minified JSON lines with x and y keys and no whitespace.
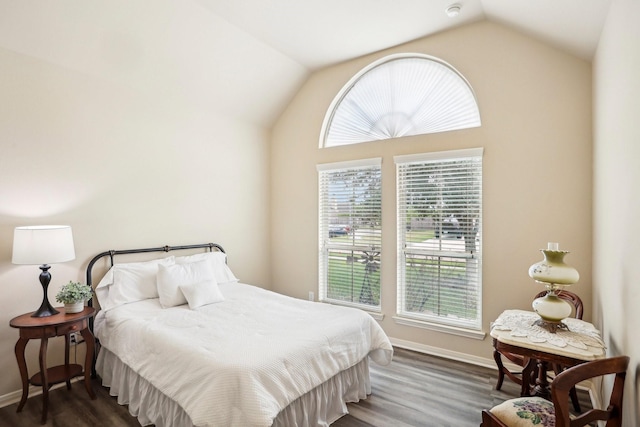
{"x":400,"y":95}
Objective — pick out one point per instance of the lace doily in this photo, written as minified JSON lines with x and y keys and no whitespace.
{"x":581,"y":335}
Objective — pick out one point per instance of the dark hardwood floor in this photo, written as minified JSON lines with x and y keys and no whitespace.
{"x":414,"y":390}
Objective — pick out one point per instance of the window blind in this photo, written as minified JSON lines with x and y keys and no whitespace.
{"x":350,"y":233}
{"x":400,"y":95}
{"x":439,"y":211}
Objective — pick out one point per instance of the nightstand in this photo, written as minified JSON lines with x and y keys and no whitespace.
{"x":43,"y":328}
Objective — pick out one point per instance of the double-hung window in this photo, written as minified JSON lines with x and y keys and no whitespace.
{"x":350,"y":233}
{"x":439,"y":208}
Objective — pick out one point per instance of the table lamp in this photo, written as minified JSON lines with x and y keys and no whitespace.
{"x":44,"y":245}
{"x":555,"y":275}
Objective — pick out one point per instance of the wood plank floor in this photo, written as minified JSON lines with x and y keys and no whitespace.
{"x":415,"y":390}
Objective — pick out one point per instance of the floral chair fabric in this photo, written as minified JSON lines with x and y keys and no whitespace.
{"x":526,"y":412}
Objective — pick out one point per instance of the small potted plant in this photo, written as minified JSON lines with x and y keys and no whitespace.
{"x":73,"y":295}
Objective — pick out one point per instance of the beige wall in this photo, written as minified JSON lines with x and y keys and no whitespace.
{"x":616,"y":272}
{"x":125,"y":171}
{"x":535,"y":103}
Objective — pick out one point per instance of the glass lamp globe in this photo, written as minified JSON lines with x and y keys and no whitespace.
{"x":555,"y":274}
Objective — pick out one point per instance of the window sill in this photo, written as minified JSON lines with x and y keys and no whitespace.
{"x":446,"y":329}
{"x":375,"y":314}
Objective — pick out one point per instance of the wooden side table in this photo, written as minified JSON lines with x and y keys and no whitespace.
{"x":515,"y":332}
{"x":43,"y":328}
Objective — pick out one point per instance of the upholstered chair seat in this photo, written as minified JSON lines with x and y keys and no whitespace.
{"x":526,"y":412}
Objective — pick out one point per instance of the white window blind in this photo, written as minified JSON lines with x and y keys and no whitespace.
{"x":350,"y":233}
{"x":400,"y":95}
{"x":439,"y":237}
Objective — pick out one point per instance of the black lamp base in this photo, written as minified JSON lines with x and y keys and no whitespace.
{"x":46,"y":309}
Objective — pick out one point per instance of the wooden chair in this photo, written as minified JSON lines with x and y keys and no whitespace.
{"x":538,"y":412}
{"x":517,"y":377}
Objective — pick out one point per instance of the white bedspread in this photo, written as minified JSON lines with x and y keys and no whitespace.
{"x":241,"y":361}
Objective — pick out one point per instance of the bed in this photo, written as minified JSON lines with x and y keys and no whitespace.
{"x":183,"y":343}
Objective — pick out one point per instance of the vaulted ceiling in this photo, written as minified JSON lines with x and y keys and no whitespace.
{"x":246,"y":58}
{"x":317,"y":33}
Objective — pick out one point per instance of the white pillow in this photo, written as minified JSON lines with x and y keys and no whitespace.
{"x":102,"y":290}
{"x":218,"y":260}
{"x":130,"y":282}
{"x":201,"y":293}
{"x":171,"y":277}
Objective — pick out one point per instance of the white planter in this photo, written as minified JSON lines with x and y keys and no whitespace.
{"x":74,"y":307}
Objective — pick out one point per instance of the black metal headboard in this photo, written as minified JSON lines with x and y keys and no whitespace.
{"x":113,"y":253}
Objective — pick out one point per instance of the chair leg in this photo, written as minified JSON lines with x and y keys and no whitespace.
{"x":574,"y":399}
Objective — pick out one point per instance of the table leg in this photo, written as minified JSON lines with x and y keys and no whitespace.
{"x":88,"y":360}
{"x":24,"y":373}
{"x":67,"y":345}
{"x":542,"y":383}
{"x":527,"y":374}
{"x":498,"y":358}
{"x":45,"y":378}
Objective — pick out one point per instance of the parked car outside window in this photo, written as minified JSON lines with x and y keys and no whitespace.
{"x":339,"y":230}
{"x":450,"y":228}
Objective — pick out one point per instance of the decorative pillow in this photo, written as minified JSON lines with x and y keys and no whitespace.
{"x":218,"y":260}
{"x":130,"y":282}
{"x":526,"y":412}
{"x":201,"y":293}
{"x":172,"y":277}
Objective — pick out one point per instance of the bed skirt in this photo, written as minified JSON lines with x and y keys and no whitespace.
{"x":320,"y":407}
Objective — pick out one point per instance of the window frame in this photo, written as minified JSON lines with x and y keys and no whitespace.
{"x":469,"y":328}
{"x":323,"y":232}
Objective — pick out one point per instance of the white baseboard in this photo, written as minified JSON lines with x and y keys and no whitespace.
{"x":447,"y":354}
{"x":15,"y":396}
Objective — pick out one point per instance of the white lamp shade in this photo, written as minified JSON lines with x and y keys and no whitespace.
{"x":43,"y":244}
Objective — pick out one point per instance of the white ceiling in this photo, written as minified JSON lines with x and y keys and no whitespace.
{"x":246,"y":58}
{"x":317,"y":33}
